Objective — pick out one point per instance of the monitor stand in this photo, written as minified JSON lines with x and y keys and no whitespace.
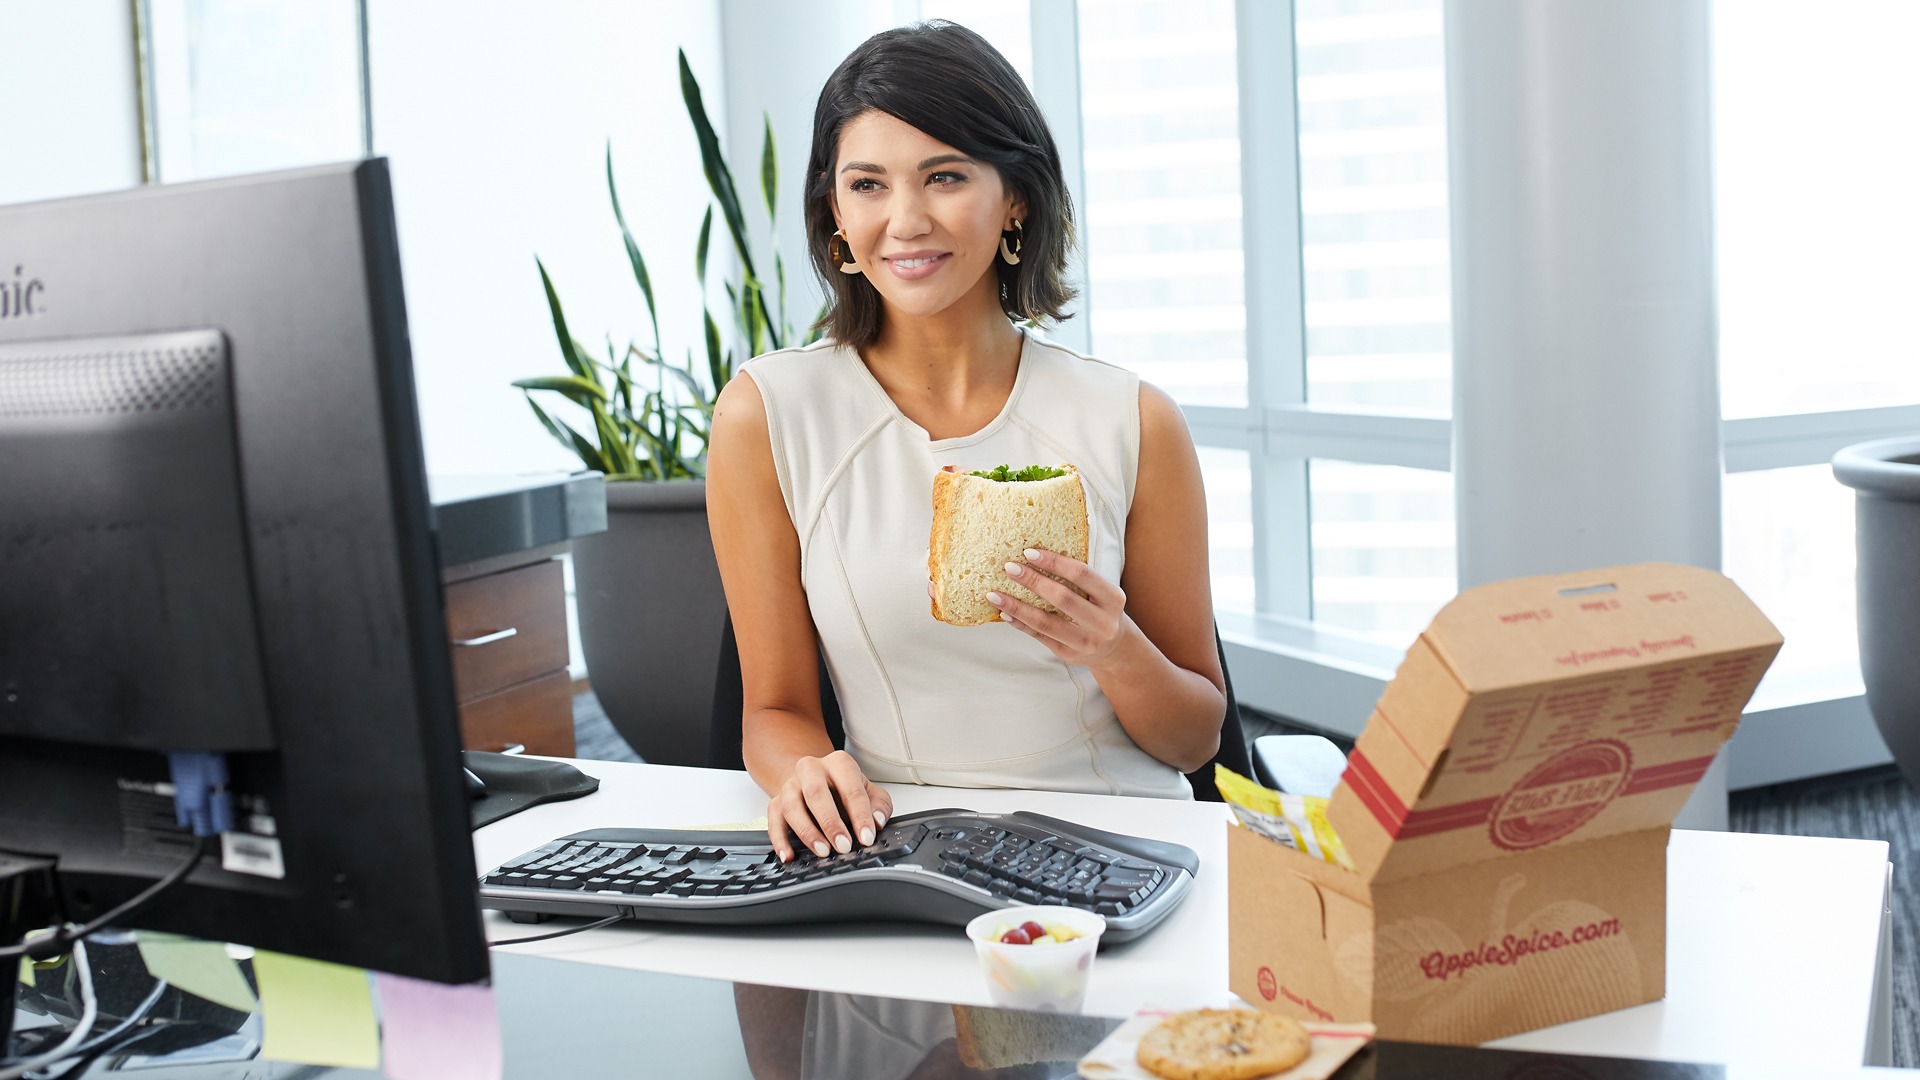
{"x":29,"y":900}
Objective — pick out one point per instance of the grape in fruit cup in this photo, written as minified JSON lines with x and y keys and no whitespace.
{"x":1044,"y":974}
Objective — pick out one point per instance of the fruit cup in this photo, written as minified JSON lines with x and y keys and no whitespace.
{"x":1050,"y":976}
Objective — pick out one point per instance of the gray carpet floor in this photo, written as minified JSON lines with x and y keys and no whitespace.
{"x":1874,"y":804}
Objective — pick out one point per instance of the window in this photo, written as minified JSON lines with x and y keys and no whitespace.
{"x":1818,"y":348}
{"x":240,"y":86}
{"x":1270,"y":247}
{"x":1163,"y":230}
{"x":1373,"y":204}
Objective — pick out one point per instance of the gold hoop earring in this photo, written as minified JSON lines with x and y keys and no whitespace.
{"x":842,"y":253}
{"x":1012,"y":254}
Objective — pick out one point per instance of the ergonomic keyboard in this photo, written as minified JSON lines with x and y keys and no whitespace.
{"x":942,"y":866}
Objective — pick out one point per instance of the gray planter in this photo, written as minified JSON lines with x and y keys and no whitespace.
{"x":1885,"y":476}
{"x":651,"y":611}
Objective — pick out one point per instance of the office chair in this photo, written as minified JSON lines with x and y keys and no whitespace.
{"x":729,"y":703}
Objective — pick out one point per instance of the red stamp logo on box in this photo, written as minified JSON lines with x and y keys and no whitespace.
{"x":1269,"y":987}
{"x":1561,"y":794}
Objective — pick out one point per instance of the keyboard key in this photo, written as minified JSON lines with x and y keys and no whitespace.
{"x":1109,"y":908}
{"x":979,"y":877}
{"x":678,"y":857}
{"x":1026,"y":896}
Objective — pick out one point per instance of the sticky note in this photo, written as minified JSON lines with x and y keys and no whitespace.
{"x":431,"y":1031}
{"x":315,"y":1013}
{"x":198,"y":967}
{"x":26,"y":971}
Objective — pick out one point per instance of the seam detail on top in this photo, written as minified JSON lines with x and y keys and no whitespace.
{"x":866,"y":638}
{"x":1066,"y":454}
{"x":1093,"y":747}
{"x":987,"y":763}
{"x":819,"y":508}
{"x":1130,"y":480}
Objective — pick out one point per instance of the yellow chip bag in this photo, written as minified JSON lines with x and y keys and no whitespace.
{"x":1298,"y":821}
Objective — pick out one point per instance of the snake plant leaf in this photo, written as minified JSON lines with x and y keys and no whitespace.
{"x":658,"y":452}
{"x":700,"y":249}
{"x":580,"y":391}
{"x":553,"y":427}
{"x":622,"y":389}
{"x":769,"y":168}
{"x":715,"y":370}
{"x":780,"y":276}
{"x":568,"y":351}
{"x":611,"y":444}
{"x":633,"y":250}
{"x":693,"y":387}
{"x":719,"y":177}
{"x":589,"y":454}
{"x":765,"y":318}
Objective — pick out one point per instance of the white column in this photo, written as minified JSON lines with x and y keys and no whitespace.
{"x":1586,"y":399}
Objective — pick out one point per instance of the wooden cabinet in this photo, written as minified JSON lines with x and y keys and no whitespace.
{"x":507,"y":632}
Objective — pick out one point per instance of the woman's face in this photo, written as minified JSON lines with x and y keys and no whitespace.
{"x":923,"y":221}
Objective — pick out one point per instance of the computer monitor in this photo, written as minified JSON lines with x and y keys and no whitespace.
{"x":215,"y":538}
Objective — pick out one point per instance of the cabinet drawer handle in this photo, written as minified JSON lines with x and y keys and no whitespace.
{"x":487,"y":639}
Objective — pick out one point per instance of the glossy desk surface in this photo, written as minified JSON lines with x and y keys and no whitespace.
{"x":1774,"y":942}
{"x":485,"y":517}
{"x":561,"y":1019}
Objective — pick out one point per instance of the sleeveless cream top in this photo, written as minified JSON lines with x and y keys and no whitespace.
{"x":925,"y":702}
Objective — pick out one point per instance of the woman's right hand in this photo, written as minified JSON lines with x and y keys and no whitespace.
{"x":807,"y":808}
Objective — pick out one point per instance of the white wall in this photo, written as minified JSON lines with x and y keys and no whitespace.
{"x":496,"y":117}
{"x":72,"y":126}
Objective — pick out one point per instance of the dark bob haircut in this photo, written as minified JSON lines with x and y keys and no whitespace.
{"x":947,"y":81}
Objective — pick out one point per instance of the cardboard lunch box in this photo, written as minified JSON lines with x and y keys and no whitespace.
{"x":1506,"y":809}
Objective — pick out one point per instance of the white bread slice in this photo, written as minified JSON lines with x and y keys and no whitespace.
{"x":980,"y":525}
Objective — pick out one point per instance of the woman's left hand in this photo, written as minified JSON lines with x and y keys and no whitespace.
{"x":1088,"y":628}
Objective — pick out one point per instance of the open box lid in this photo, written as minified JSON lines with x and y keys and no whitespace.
{"x":1550,"y":710}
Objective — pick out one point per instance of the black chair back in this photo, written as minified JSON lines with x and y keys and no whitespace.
{"x":729,"y":704}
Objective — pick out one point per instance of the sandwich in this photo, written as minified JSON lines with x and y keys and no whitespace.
{"x":984,"y":520}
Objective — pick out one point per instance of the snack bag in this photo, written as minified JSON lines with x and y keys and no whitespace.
{"x":1298,"y":821}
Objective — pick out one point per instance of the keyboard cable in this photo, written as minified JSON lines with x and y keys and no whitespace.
{"x":608,"y":921}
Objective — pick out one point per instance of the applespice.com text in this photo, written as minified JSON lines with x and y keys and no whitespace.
{"x":1509,"y":950}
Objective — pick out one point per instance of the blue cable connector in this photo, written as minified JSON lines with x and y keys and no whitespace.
{"x":201,"y":798}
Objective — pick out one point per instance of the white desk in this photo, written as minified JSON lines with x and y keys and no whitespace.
{"x":1774,"y":943}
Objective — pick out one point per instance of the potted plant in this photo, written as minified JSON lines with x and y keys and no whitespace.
{"x":1885,"y":476}
{"x":650,"y":603}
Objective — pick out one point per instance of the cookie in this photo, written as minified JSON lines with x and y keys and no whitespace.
{"x":1222,"y":1044}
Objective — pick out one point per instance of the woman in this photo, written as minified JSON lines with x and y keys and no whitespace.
{"x":937,"y":216}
